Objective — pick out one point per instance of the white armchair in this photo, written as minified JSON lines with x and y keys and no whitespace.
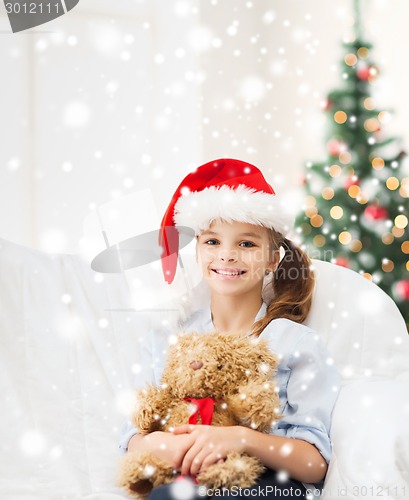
{"x":367,"y":337}
{"x":71,"y":350}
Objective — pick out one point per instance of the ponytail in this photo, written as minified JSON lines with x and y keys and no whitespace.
{"x":292,"y":285}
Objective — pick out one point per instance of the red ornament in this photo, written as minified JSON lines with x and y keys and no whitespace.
{"x":401,"y":290}
{"x":351,"y":181}
{"x":363,"y":73}
{"x":302,"y":180}
{"x":334,"y":147}
{"x":326,"y":104}
{"x":375,"y":212}
{"x":342,"y":261}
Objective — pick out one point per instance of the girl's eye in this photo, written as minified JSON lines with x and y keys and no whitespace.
{"x":211,"y":242}
{"x":247,"y":244}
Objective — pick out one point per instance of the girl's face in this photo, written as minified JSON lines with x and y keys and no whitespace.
{"x":234,"y":257}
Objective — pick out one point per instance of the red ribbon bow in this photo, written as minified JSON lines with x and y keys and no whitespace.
{"x":205,"y":406}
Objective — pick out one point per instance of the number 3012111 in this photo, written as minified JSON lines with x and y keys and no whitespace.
{"x":32,"y":8}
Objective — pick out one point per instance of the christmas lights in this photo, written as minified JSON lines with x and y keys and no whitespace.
{"x":357,"y":198}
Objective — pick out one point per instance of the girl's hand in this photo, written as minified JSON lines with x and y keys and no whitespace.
{"x":211,"y":445}
{"x":168,"y":447}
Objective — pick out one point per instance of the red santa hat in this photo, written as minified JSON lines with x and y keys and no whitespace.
{"x":225,"y":189}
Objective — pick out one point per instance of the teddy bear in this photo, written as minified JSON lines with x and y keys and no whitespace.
{"x":209,"y":378}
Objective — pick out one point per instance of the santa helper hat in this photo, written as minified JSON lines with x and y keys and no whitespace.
{"x":225,"y":189}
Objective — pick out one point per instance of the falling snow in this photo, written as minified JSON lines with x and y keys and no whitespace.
{"x":125,"y":112}
{"x":32,"y":443}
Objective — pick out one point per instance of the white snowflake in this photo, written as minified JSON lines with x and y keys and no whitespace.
{"x":149,"y":470}
{"x":182,"y":8}
{"x":286,"y":450}
{"x":32,"y":443}
{"x":56,"y":452}
{"x":76,"y":114}
{"x":72,"y":40}
{"x":278,"y":67}
{"x":136,"y":368}
{"x":183,"y":489}
{"x":103,"y":323}
{"x":66,"y":298}
{"x":269,"y":17}
{"x":253,"y":88}
{"x":125,"y":402}
{"x":282,"y":476}
{"x":239,"y":464}
{"x":53,"y":240}
{"x":14,"y":164}
{"x":66,"y":167}
{"x":106,"y":38}
{"x":200,"y":38}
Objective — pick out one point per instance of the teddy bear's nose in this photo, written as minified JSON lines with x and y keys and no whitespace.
{"x":195,"y":365}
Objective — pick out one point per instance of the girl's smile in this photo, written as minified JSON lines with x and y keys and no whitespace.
{"x":229,"y":273}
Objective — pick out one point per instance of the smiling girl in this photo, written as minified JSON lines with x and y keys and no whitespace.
{"x":240,"y":226}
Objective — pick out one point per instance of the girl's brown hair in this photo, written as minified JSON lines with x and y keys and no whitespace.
{"x":292,"y":284}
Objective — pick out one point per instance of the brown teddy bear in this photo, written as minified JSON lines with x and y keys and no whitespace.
{"x":213,"y":378}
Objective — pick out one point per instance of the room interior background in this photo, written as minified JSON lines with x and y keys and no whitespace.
{"x":113,"y":98}
{"x":118,"y":98}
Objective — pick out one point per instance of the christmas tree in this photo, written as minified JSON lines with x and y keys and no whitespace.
{"x":356,"y":209}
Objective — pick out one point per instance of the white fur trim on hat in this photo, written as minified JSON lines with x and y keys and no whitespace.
{"x":199,"y":209}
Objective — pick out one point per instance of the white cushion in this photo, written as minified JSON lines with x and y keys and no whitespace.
{"x":360,"y":324}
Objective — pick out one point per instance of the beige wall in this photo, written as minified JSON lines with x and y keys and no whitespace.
{"x":296,"y":58}
{"x":120,"y":96}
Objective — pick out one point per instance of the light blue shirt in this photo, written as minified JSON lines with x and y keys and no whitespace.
{"x":306,"y":376}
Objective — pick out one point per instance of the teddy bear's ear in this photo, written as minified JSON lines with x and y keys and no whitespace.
{"x":182,"y":343}
{"x":182,"y":337}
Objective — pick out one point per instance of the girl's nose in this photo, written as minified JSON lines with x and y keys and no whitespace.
{"x":227,"y":258}
{"x":227,"y":255}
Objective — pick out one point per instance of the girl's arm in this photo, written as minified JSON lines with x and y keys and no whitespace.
{"x":135,"y":442}
{"x":301,"y":460}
